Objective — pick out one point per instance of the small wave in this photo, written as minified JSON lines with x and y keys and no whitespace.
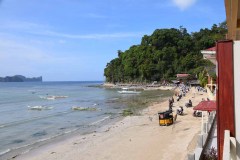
{"x":4,"y":152}
{"x":39,"y":134}
{"x":36,"y":142}
{"x":99,"y":121}
{"x":70,"y":131}
{"x":32,"y":144}
{"x":17,"y":141}
{"x":34,"y":118}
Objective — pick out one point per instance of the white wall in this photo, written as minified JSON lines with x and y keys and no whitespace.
{"x":236,"y":54}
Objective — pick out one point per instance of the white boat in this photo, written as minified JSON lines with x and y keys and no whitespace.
{"x":39,"y":108}
{"x":127,"y":91}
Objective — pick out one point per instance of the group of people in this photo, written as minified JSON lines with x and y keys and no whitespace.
{"x":183,"y":89}
{"x":179,"y":110}
{"x":197,"y":113}
{"x":189,"y":103}
{"x":200,"y":89}
{"x":170,"y":105}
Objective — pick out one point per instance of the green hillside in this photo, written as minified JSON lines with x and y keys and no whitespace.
{"x":164,"y":54}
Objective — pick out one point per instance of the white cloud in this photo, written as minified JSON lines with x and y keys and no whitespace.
{"x":48,"y":31}
{"x":88,"y":36}
{"x":184,"y":4}
{"x":22,"y":25}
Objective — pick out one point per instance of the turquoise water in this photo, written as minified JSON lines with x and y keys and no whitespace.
{"x":22,"y":127}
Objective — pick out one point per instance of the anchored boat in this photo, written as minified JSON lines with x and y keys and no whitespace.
{"x":128,"y":91}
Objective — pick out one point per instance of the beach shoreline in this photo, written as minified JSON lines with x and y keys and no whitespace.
{"x":139,"y":86}
{"x":133,"y":137}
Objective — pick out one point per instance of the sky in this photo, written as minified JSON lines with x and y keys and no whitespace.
{"x":73,"y":40}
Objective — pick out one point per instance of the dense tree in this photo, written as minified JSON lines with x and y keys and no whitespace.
{"x":164,"y":54}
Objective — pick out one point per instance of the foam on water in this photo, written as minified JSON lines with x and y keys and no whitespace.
{"x":99,"y":121}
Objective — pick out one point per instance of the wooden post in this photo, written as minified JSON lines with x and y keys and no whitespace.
{"x":225,"y":93}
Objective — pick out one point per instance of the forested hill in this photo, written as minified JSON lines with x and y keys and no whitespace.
{"x":164,"y":54}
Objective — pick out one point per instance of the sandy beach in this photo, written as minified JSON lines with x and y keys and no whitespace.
{"x":133,"y":138}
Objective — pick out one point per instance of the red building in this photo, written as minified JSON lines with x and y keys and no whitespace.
{"x":210,"y":54}
{"x":228,"y":86}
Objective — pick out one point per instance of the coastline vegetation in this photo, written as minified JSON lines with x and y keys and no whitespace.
{"x":127,"y":112}
{"x":163,"y":54}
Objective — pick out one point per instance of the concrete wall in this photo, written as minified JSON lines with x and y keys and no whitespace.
{"x":236,"y":51}
{"x":211,"y":96}
{"x":205,"y":139}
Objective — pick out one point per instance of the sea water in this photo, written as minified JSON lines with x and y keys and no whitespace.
{"x":22,"y":128}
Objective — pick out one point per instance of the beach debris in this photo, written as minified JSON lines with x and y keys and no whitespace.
{"x":107,"y":130}
{"x":84,"y":108}
{"x":15,"y":156}
{"x":39,"y":108}
{"x":150,"y":118}
{"x":175,"y":117}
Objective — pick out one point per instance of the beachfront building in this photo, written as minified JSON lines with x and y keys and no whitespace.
{"x":183,"y":77}
{"x":228,"y":87}
{"x":211,"y":78}
{"x":210,"y":54}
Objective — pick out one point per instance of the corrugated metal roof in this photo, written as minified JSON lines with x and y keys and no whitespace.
{"x":211,"y":49}
{"x":182,"y":75}
{"x":206,"y":106}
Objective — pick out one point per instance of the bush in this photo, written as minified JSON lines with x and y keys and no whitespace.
{"x":211,"y":154}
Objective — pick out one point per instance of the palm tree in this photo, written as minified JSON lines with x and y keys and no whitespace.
{"x":203,"y":78}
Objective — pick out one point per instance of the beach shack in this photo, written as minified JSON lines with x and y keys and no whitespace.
{"x":183,"y":77}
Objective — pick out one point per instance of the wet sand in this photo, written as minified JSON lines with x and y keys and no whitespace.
{"x":134,"y":137}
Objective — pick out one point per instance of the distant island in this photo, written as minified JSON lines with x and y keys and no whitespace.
{"x":20,"y":78}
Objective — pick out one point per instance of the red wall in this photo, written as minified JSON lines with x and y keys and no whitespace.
{"x":225,"y":93}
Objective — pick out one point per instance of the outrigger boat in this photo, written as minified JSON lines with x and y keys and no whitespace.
{"x":127,"y":91}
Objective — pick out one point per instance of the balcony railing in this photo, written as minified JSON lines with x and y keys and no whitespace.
{"x":229,"y":148}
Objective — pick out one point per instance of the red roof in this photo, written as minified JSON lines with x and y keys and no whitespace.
{"x":211,"y":49}
{"x":206,"y":106}
{"x":182,"y":75}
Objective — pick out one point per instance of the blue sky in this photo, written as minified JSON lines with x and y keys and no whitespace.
{"x":73,"y":40}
